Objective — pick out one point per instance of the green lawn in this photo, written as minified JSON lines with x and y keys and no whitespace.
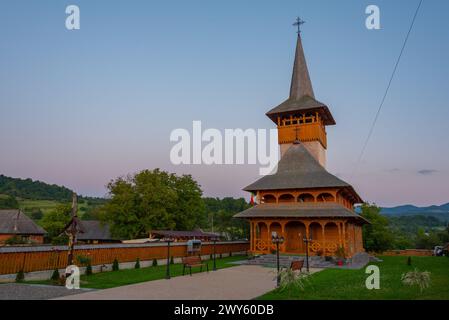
{"x":350,"y":284}
{"x":48,"y":205}
{"x":123,"y":277}
{"x":45,"y":205}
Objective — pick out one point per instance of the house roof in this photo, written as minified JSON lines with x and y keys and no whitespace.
{"x":94,"y":230}
{"x":183,"y":234}
{"x":14,"y":221}
{"x":300,"y":210}
{"x":298,"y":169}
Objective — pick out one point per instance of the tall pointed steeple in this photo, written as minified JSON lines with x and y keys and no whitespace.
{"x":301,"y":85}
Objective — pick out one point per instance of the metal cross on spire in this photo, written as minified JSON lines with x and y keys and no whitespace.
{"x":296,"y":135}
{"x":298,"y":24}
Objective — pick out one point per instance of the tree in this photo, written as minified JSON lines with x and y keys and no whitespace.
{"x":153,"y":199}
{"x":425,"y":240}
{"x":55,"y":221}
{"x":8,"y":202}
{"x":221,"y":213}
{"x":35,"y":213}
{"x":377,"y":236}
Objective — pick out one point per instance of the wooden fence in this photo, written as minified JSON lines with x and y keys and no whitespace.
{"x":39,"y":258}
{"x":409,"y":252}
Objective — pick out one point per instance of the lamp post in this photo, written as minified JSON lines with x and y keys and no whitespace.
{"x":167,"y":274}
{"x":306,"y":241}
{"x":214,"y":241}
{"x":275,"y":238}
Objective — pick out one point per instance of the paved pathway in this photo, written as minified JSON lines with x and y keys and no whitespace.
{"x":19,"y":291}
{"x":239,"y":283}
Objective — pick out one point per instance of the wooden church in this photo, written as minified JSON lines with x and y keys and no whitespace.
{"x":302,"y":200}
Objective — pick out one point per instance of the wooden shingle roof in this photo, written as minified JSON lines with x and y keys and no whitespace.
{"x":14,"y":221}
{"x":300,"y":210}
{"x":94,"y":230}
{"x":298,"y":169}
{"x":302,"y":98}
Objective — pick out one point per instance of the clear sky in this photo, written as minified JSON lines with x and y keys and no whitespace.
{"x":81,"y":107}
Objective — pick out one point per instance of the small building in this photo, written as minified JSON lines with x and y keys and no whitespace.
{"x":15,"y":224}
{"x":94,"y":232}
{"x":180,"y":236}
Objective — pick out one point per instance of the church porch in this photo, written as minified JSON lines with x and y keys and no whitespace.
{"x":327,"y":235}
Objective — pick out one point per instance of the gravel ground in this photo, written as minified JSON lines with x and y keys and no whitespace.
{"x":16,"y":291}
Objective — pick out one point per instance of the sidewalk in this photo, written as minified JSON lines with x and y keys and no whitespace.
{"x":239,"y":283}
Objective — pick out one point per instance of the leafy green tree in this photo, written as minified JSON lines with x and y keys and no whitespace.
{"x":220,"y":213}
{"x":35,"y":213}
{"x":427,"y":240}
{"x":55,"y":221}
{"x":377,"y":236}
{"x":153,"y":199}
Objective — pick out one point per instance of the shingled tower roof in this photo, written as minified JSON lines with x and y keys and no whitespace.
{"x":302,"y":98}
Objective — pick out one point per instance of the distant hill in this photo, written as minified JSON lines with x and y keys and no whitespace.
{"x":36,"y":190}
{"x":440,"y":212}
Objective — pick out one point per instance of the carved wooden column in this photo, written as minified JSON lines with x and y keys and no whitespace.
{"x":323,"y":235}
{"x":251,"y":236}
{"x":339,"y":233}
{"x":284,"y":244}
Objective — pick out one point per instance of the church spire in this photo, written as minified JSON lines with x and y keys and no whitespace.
{"x":301,"y":85}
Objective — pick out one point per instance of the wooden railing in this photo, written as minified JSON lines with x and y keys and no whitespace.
{"x":315,"y":247}
{"x":39,"y":258}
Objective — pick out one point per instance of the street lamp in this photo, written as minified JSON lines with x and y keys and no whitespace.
{"x":168,"y":240}
{"x":306,"y":241}
{"x":275,"y":238}
{"x":214,"y":241}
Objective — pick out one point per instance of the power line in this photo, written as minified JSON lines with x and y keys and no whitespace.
{"x":386,"y":91}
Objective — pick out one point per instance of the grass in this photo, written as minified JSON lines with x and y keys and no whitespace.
{"x":347,"y":284}
{"x":47,"y":206}
{"x":111,"y":279}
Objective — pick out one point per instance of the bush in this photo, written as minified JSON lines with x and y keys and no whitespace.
{"x":172,"y":261}
{"x":20,"y":276}
{"x":154,"y":262}
{"x":137,"y":265}
{"x":88,"y":269}
{"x":55,"y":275}
{"x":83,"y":260}
{"x":417,"y":278}
{"x":15,"y":240}
{"x":115,"y":266}
{"x":291,"y":281}
{"x":340,"y":253}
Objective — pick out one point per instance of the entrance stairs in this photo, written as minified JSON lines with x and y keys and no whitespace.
{"x":269,"y":260}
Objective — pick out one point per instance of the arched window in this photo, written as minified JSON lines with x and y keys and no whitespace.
{"x":286,"y":197}
{"x":268,"y":198}
{"x":325,"y":197}
{"x":306,"y":197}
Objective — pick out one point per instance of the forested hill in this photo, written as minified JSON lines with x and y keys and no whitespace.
{"x":36,"y":190}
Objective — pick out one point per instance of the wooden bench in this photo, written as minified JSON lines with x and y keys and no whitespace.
{"x":193,"y":261}
{"x":297,"y":265}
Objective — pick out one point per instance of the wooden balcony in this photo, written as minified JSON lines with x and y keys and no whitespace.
{"x":314,"y":131}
